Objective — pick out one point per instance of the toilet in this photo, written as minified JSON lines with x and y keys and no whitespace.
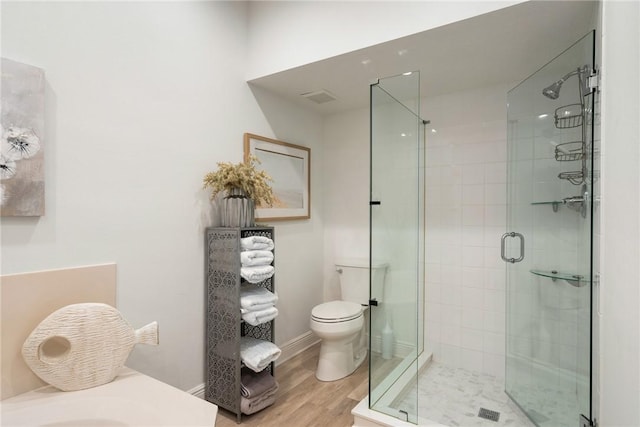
{"x":341,"y":324}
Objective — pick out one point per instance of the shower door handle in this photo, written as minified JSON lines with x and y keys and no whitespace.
{"x":502,"y":247}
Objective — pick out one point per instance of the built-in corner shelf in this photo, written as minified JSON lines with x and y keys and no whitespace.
{"x":575,"y":280}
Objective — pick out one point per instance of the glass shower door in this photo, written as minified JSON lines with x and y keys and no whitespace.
{"x":395,"y":229}
{"x":548,"y":246}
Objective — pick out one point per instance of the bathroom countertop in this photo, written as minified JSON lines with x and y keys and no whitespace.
{"x":131,"y":399}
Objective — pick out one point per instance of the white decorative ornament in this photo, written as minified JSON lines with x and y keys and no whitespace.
{"x":19,"y":143}
{"x":7,"y":167}
{"x":83,"y":345}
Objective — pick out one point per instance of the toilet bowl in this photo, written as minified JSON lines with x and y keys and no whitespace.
{"x":340,"y":325}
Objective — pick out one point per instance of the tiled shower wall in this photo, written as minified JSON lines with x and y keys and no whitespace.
{"x":466,"y":179}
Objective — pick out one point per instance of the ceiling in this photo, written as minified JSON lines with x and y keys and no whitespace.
{"x":500,"y":47}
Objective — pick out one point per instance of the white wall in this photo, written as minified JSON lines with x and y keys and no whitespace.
{"x":620,"y":252}
{"x":287,"y":34}
{"x":142,"y":99}
{"x":345,"y":192}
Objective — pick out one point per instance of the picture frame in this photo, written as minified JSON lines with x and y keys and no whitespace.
{"x":289,"y":166}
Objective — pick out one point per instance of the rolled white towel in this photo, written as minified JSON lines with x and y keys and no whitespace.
{"x":254,"y":297}
{"x":255,"y":318}
{"x":256,"y":243}
{"x":257,"y":354}
{"x":257,"y":274}
{"x":256,"y":257}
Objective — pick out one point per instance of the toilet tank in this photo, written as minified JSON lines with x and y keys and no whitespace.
{"x":354,"y":279}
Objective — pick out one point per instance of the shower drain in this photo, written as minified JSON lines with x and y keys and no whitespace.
{"x":488,"y":414}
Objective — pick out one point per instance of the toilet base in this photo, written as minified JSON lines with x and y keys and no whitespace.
{"x":337,"y":360}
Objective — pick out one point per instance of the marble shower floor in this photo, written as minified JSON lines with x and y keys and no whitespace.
{"x":453,"y":397}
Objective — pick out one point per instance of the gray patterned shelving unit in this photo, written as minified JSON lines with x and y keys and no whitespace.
{"x":224,"y":324}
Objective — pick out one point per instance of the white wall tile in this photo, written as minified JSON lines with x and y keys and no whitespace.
{"x":433,"y":310}
{"x":493,"y":321}
{"x":494,"y":300}
{"x":495,"y":173}
{"x":432,"y":273}
{"x":472,"y":318}
{"x":451,"y":275}
{"x":493,"y":364}
{"x":473,"y":194}
{"x":471,"y":360}
{"x":493,"y":343}
{"x":433,"y":252}
{"x":432,"y":329}
{"x":450,"y":334}
{"x":433,"y":292}
{"x":473,"y":298}
{"x":497,"y":151}
{"x":472,"y":256}
{"x":471,"y":339}
{"x":495,"y":278}
{"x":473,"y":277}
{"x":451,"y":195}
{"x":473,"y":215}
{"x":474,"y":174}
{"x":472,"y":236}
{"x":450,"y":354}
{"x":492,"y":235}
{"x":492,"y":258}
{"x":451,"y":294}
{"x":451,"y":315}
{"x":495,"y":215}
{"x":451,"y":255}
{"x":495,"y":130}
{"x":495,"y":194}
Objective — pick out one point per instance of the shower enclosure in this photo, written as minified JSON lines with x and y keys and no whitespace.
{"x":548,"y":246}
{"x":547,"y":249}
{"x":397,"y":238}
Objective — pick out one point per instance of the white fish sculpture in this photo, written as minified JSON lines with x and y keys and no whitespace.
{"x":83,"y":345}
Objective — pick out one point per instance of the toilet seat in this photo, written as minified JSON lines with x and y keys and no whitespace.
{"x":336,"y":312}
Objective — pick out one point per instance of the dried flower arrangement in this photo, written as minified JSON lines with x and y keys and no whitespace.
{"x":243,"y":176}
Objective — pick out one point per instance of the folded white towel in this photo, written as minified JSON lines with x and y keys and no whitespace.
{"x":256,"y":307}
{"x":256,"y":243}
{"x":257,"y":354}
{"x":254,"y":297}
{"x":254,"y":258}
{"x":257,"y":317}
{"x":257,"y":274}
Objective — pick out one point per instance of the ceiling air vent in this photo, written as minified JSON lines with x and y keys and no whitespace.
{"x":319,"y":96}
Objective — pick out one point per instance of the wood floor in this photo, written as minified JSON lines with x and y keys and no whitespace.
{"x":304,"y":401}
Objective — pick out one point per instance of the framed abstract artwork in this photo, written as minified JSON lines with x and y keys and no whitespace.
{"x":22,"y":128}
{"x":289,"y":167}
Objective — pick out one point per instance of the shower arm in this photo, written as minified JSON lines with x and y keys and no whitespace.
{"x":583,"y":84}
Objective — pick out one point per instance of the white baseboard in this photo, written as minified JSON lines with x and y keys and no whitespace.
{"x":197,"y":391}
{"x":289,"y":349}
{"x":296,"y":346}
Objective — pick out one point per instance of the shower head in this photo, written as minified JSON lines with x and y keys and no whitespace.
{"x":553,"y":91}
